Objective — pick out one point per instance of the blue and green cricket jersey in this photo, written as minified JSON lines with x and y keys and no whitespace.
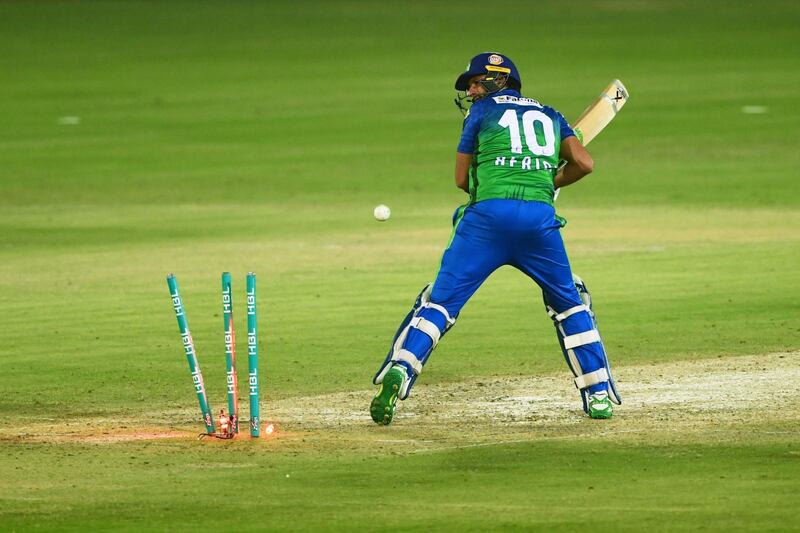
{"x":514,"y":142}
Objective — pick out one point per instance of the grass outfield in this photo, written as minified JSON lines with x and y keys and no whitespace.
{"x":139,"y":139}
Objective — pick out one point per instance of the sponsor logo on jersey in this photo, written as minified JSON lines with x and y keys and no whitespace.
{"x":495,"y":59}
{"x":508,"y":99}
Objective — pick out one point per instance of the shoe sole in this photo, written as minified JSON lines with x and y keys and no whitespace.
{"x":384,"y":403}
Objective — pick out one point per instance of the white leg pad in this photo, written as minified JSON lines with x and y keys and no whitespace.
{"x":583,"y":380}
{"x":413,"y":320}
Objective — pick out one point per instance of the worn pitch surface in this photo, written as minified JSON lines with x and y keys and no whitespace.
{"x":713,"y":400}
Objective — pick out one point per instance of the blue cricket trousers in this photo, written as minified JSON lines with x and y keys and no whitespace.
{"x":523,"y":234}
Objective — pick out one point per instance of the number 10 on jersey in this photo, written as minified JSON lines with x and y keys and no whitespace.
{"x":541,"y":142}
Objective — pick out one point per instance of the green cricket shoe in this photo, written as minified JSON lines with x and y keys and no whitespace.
{"x":384,"y":403}
{"x":600,"y":406}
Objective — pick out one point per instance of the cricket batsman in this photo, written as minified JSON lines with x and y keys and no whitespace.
{"x":508,"y":161}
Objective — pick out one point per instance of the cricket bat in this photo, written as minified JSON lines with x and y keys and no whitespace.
{"x":599,"y":114}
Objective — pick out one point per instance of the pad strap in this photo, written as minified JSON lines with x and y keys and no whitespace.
{"x":579,"y":339}
{"x":408,"y":357}
{"x":592,"y":378}
{"x":559,"y":317}
{"x":442,"y":310}
{"x":427,"y":327}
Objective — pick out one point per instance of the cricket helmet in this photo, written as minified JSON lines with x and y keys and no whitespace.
{"x":498,"y":69}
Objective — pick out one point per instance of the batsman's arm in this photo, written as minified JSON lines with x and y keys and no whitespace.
{"x":579,"y":163}
{"x":463,"y":162}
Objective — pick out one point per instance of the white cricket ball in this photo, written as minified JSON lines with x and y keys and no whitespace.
{"x":382,"y":213}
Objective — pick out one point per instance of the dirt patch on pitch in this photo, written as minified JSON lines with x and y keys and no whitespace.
{"x":106,"y":433}
{"x":109,"y":437}
{"x":713,"y":399}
